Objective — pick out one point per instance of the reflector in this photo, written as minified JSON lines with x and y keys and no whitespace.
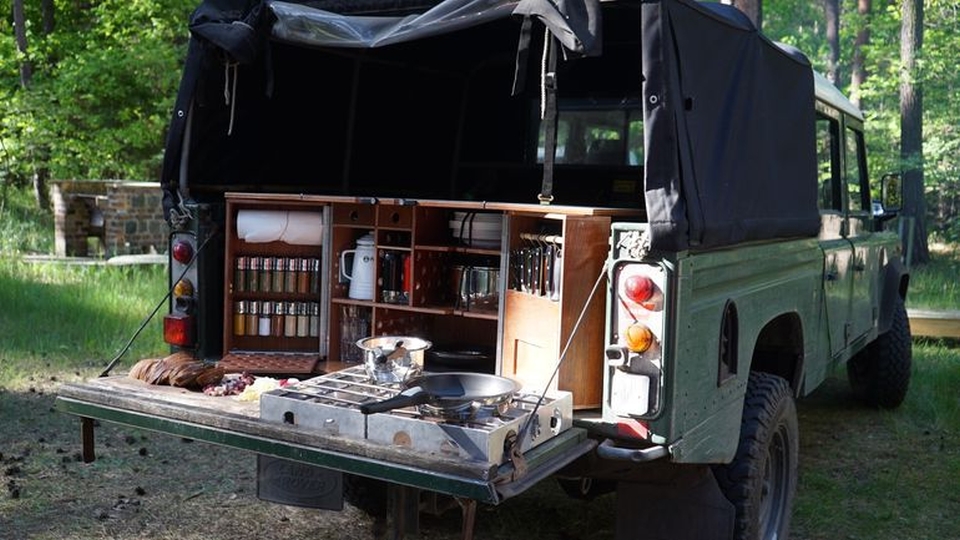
{"x":178,"y":329}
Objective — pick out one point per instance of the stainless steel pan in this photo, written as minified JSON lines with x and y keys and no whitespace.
{"x":457,"y":395}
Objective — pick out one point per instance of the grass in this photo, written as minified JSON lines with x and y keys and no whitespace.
{"x":75,"y":317}
{"x":935,"y":285}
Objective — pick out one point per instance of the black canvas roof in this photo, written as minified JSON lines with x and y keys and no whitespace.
{"x":728,"y":116}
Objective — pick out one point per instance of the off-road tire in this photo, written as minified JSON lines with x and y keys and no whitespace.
{"x":879,"y":375}
{"x":762,"y":478}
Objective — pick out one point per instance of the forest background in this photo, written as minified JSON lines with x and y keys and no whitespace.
{"x":88,"y":86}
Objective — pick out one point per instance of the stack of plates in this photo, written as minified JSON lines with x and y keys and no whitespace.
{"x":477,"y":229}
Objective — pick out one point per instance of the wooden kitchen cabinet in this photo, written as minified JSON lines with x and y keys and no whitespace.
{"x":419,"y":256}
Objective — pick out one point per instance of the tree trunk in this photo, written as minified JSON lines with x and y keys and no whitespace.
{"x":858,"y":70}
{"x":831,"y":9}
{"x":48,"y":10}
{"x":753,"y":9}
{"x":911,"y":128}
{"x":20,"y":35}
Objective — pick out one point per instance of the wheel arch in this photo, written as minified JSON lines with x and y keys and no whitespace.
{"x":779,"y":349}
{"x":896,"y":281}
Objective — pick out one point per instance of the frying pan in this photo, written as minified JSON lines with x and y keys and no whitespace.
{"x":452,"y":394}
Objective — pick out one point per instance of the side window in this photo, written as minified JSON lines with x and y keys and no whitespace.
{"x":828,"y":163}
{"x":854,"y":171}
{"x":597,"y":135}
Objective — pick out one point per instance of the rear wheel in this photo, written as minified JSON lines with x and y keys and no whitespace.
{"x":762,"y":478}
{"x":880,"y":374}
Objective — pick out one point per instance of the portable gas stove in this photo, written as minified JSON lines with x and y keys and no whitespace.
{"x":331,"y":402}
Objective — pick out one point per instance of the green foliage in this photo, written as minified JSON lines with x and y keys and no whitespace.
{"x":22,"y":228}
{"x":802,"y":24}
{"x":104,"y":83}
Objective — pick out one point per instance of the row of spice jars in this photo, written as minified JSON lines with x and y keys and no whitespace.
{"x":276,"y":319}
{"x":300,"y":275}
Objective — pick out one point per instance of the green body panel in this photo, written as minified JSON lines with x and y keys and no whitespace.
{"x":701,"y":418}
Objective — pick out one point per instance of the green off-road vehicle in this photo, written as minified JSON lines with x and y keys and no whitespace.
{"x":651,"y":218}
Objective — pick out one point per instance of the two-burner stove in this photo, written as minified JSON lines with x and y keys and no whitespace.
{"x":331,"y":403}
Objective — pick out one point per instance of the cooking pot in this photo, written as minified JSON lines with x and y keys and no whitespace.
{"x":454,"y":395}
{"x":393,"y":359}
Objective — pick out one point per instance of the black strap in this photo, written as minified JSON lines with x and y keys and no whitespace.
{"x":549,"y":120}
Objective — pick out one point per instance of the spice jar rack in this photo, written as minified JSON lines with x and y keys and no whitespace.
{"x":273,"y":287}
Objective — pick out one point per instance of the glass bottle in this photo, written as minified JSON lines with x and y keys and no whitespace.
{"x":239,"y":317}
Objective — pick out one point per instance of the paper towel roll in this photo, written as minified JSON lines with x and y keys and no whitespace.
{"x":300,"y":228}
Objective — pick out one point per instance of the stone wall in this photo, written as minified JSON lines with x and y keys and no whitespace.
{"x":108,"y":218}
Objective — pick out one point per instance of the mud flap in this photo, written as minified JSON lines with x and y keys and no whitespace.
{"x":663,"y":510}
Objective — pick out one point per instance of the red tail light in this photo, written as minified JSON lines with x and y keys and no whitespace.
{"x":638,"y":288}
{"x":178,"y":329}
{"x":182,"y":251}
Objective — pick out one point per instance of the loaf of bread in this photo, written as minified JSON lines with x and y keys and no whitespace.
{"x":178,"y":369}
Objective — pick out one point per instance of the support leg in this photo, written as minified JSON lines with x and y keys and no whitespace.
{"x":86,"y":439}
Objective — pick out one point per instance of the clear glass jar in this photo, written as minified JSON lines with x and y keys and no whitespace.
{"x":303,"y":320}
{"x":252,"y":323}
{"x":266,"y":274}
{"x":303,"y":276}
{"x":290,"y":279}
{"x":276,"y":320}
{"x":240,"y":274}
{"x":239,"y":317}
{"x":279,"y":270}
{"x":314,"y":325}
{"x":290,"y":320}
{"x":263,"y":323}
{"x":253,"y":274}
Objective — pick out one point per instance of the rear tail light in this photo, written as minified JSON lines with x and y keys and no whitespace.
{"x":635,"y":348}
{"x":179,"y":327}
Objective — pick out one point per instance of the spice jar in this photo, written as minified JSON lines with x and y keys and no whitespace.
{"x":314,"y":277}
{"x":263,"y":326}
{"x":239,"y":317}
{"x":276,"y":284}
{"x":290,"y":279}
{"x":303,"y":276}
{"x":290,"y":320}
{"x":276,"y":320}
{"x":253,"y":274}
{"x":252,"y":323}
{"x":303,"y":320}
{"x":240,"y":274}
{"x":266,"y":274}
{"x":314,"y":326}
